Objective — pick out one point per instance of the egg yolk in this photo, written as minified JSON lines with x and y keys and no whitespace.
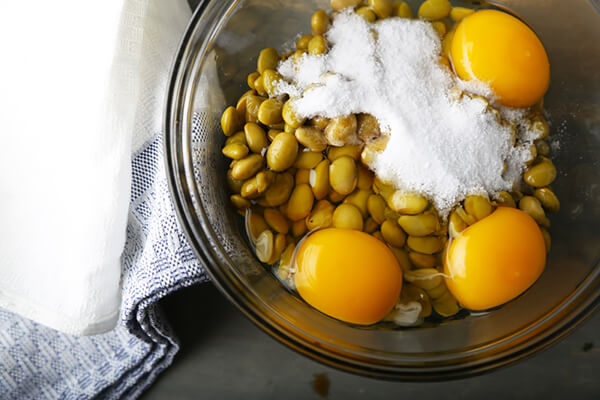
{"x":495,"y":260}
{"x":348,"y":275}
{"x":501,"y":51}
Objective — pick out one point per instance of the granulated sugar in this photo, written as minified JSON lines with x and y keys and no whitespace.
{"x":442,"y":145}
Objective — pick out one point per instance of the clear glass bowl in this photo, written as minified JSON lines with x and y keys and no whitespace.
{"x":217,"y":52}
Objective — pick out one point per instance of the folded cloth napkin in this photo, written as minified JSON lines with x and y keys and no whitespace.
{"x":37,"y":362}
{"x":81,"y":90}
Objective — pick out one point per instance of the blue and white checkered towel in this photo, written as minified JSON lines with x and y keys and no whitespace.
{"x":40,"y":363}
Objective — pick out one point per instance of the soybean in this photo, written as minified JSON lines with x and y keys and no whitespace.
{"x":300,"y":203}
{"x":352,"y":151}
{"x":276,"y":220}
{"x":342,"y":130}
{"x":319,"y":219}
{"x":230,"y":121}
{"x":540,"y":175}
{"x":478,"y":206}
{"x":264,"y":246}
{"x":424,"y":278}
{"x":458,"y":13}
{"x":419,"y":225}
{"x":267,"y":59}
{"x":255,"y":137}
{"x":403,"y":10}
{"x":239,"y":202}
{"x":269,"y":112}
{"x":317,"y":45}
{"x":289,"y":115}
{"x":341,"y":4}
{"x":235,"y":150}
{"x":425,"y":245}
{"x":308,"y":159}
{"x":405,"y":203}
{"x":282,"y":152}
{"x":359,"y":198}
{"x":311,"y":137}
{"x":247,"y":167}
{"x":422,"y":260}
{"x":319,"y":179}
{"x":392,"y":233}
{"x":435,"y":9}
{"x":548,"y":199}
{"x":376,"y":208}
{"x":347,"y":216}
{"x":302,"y":43}
{"x":270,"y":79}
{"x":368,"y":127}
{"x":343,"y":175}
{"x":319,"y":22}
{"x":383,"y":8}
{"x":367,"y":14}
{"x":279,"y":191}
{"x":533,"y":207}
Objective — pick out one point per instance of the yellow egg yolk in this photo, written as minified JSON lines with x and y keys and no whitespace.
{"x":495,"y":260}
{"x":348,"y":275}
{"x":501,"y":51}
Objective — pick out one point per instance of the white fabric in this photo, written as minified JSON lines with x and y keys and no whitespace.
{"x":95,"y":73}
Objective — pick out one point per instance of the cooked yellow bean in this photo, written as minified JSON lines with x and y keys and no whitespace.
{"x":269,"y":112}
{"x":320,"y":219}
{"x":270,"y":79}
{"x":264,"y":179}
{"x":238,"y":137}
{"x":256,"y":137}
{"x":300,"y":203}
{"x":230,"y":121}
{"x":264,"y":246}
{"x":370,"y":225}
{"x":267,"y":59}
{"x":540,"y":126}
{"x":299,"y":228}
{"x":347,"y":216}
{"x":365,"y":178}
{"x":272,"y":133}
{"x":236,"y":151}
{"x":311,"y":137}
{"x":425,"y":245}
{"x":276,"y":220}
{"x":366,"y":13}
{"x":341,"y":4}
{"x":403,"y":10}
{"x":282,"y":152}
{"x":317,"y":45}
{"x":235,"y":185}
{"x":505,"y":200}
{"x":533,"y":207}
{"x":250,"y":188}
{"x":419,"y":225}
{"x":376,"y":208}
{"x":446,"y":305}
{"x":308,"y":160}
{"x":239,"y":202}
{"x":279,"y":191}
{"x":542,"y":147}
{"x":547,"y":239}
{"x":335,"y":197}
{"x":548,"y":199}
{"x":319,"y":122}
{"x":405,"y":203}
{"x":259,"y":86}
{"x":319,"y":22}
{"x":285,"y":265}
{"x":289,"y":115}
{"x":458,"y":13}
{"x":302,"y":43}
{"x":456,"y":224}
{"x":424,"y":278}
{"x":383,"y":8}
{"x":343,"y":175}
{"x":400,"y":254}
{"x":478,"y":206}
{"x":540,"y":175}
{"x":437,"y":292}
{"x":253,"y":103}
{"x":342,"y":130}
{"x":439,"y":27}
{"x":247,"y":167}
{"x":368,"y":127}
{"x":319,"y":180}
{"x":255,"y":225}
{"x":422,"y":260}
{"x":302,"y":176}
{"x":352,"y":151}
{"x":467,"y":218}
{"x":359,"y":198}
{"x":435,"y":9}
{"x":413,"y":293}
{"x":392,"y":233}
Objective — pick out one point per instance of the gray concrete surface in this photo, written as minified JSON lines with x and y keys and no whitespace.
{"x":224,"y":356}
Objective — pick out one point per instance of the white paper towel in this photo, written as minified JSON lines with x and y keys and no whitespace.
{"x":81,"y":88}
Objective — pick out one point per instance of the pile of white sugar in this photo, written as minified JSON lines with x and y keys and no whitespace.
{"x":441,"y":145}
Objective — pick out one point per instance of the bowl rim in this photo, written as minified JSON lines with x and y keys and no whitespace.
{"x":548,"y":330}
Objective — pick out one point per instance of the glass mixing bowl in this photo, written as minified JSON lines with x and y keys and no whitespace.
{"x":218,"y":51}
